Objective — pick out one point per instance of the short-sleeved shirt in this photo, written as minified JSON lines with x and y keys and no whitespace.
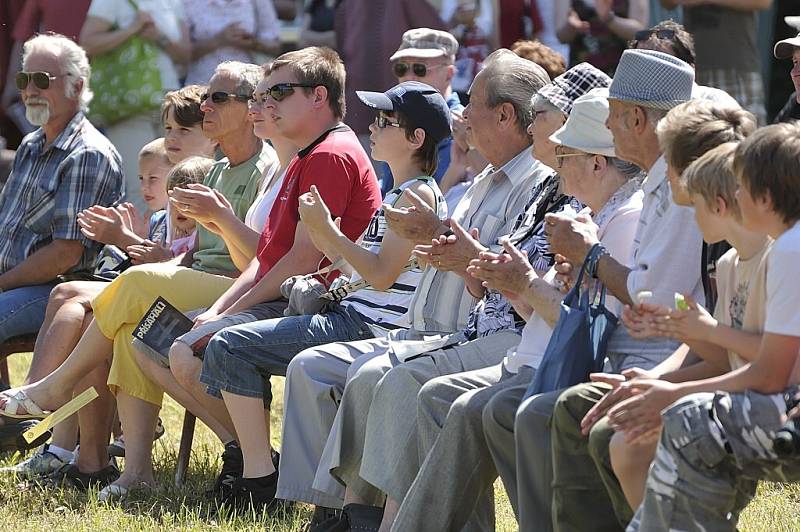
{"x":49,"y":186}
{"x":338,"y":166}
{"x":783,"y":290}
{"x":239,"y":184}
{"x":62,"y":17}
{"x":168,"y":16}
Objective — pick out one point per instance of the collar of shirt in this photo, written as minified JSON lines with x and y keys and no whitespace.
{"x":520,"y":166}
{"x":655,"y":176}
{"x":64,"y":139}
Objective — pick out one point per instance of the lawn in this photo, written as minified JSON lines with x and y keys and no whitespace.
{"x":777,"y":508}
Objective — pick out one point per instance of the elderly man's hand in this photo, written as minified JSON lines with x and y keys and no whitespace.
{"x":571,"y":237}
{"x":509,"y":272}
{"x":451,"y":253}
{"x":417,"y":223}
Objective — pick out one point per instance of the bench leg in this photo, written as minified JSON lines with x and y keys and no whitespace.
{"x":4,"y":371}
{"x":185,"y":449}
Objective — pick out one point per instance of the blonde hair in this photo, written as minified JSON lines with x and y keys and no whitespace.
{"x":189,"y":170}
{"x":155,"y":148}
{"x":692,"y":128}
{"x":711,"y":176}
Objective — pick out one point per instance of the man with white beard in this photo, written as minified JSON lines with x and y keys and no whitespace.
{"x":63,"y":167}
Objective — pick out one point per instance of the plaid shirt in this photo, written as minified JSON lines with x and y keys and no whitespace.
{"x":49,"y":186}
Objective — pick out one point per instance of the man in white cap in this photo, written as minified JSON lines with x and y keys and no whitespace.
{"x":666,"y":259}
{"x":790,"y":49}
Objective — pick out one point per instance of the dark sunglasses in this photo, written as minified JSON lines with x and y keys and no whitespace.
{"x":40,"y":79}
{"x":419,"y":69}
{"x":383,"y":121}
{"x":278,"y":92}
{"x":222,"y":97}
{"x":643,"y":35}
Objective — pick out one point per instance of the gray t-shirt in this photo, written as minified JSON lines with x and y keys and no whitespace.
{"x":724,"y":39}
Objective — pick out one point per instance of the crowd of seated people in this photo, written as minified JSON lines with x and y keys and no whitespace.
{"x":431,"y":342}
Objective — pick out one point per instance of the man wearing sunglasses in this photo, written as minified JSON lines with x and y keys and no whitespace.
{"x":63,"y":167}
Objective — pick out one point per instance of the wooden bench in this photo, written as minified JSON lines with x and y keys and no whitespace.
{"x":12,"y":346}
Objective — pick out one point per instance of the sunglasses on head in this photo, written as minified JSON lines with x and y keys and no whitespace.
{"x":222,"y":97}
{"x":40,"y":79}
{"x":643,"y":35}
{"x":419,"y":69}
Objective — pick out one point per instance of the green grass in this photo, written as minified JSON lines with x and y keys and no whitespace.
{"x":777,"y":508}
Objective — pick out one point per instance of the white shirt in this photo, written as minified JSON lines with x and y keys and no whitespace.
{"x":783,"y":290}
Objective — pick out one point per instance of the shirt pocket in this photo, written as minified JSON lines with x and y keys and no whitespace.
{"x":41,"y":206}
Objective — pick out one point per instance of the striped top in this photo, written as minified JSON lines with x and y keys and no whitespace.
{"x":387,"y":310}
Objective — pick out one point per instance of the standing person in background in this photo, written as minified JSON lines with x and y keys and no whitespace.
{"x":317,"y":24}
{"x":368,"y":31}
{"x":229,"y":30}
{"x":597,"y":30}
{"x":109,"y":24}
{"x":727,"y":52}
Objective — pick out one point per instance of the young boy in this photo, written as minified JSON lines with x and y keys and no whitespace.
{"x":727,"y":340}
{"x":718,"y":442}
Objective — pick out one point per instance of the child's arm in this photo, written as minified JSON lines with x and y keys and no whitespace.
{"x":381,"y":270}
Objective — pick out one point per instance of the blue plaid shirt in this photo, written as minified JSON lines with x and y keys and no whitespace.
{"x":48,"y":187}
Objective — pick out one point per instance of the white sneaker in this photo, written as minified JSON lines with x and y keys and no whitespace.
{"x":40,"y":464}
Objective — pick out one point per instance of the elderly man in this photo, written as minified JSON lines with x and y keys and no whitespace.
{"x":63,"y":167}
{"x":667,"y":259}
{"x":316,"y":377}
{"x":427,"y":55}
{"x":201,"y":277}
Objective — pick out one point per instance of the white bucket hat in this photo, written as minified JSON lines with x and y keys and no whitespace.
{"x":585,"y":128}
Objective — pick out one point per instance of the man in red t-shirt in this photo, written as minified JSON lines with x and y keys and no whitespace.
{"x":306,"y":100}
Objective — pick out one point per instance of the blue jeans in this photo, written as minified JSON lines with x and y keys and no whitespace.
{"x":240,"y":359}
{"x":22,"y":310}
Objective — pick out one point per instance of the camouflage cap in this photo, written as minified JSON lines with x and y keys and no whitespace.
{"x":425,"y":43}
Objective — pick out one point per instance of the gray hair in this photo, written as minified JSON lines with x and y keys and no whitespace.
{"x":72,"y":58}
{"x":511,"y":79}
{"x":627,"y":169}
{"x":654,"y":115}
{"x":247,"y":74}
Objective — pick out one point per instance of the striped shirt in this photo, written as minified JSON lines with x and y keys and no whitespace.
{"x":48,"y":187}
{"x":441,"y":303}
{"x":666,"y":258}
{"x":387,"y":310}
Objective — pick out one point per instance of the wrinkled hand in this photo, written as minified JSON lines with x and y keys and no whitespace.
{"x":417,"y":223}
{"x":566,"y":276}
{"x":451,"y":253}
{"x":314,"y":214}
{"x":618,"y":393}
{"x":148,"y":252}
{"x":508,"y":273}
{"x":686,"y":325}
{"x":640,"y":414}
{"x":641,"y":320}
{"x":571,"y":237}
{"x":199,"y":202}
{"x":105,"y":225}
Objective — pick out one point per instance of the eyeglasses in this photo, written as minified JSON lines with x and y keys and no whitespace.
{"x":560,"y":156}
{"x":40,"y":79}
{"x":279,"y":92}
{"x":222,"y":97}
{"x":643,"y":35}
{"x":419,"y":69}
{"x":383,"y":122}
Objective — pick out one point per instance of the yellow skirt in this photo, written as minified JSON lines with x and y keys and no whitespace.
{"x":124,"y":302}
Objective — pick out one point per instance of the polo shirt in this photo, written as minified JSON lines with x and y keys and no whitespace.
{"x":343,"y":174}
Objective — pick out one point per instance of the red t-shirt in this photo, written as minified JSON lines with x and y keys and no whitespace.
{"x":343,"y":174}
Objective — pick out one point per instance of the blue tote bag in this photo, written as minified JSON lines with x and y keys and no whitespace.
{"x":577,"y":346}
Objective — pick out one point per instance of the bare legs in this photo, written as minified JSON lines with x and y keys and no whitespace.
{"x":138,"y":424}
{"x":631,"y":464}
{"x":252,"y":430}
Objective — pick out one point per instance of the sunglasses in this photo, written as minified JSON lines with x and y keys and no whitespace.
{"x":383,"y":122}
{"x":643,"y":35}
{"x":222,"y":97}
{"x":278,"y":92}
{"x":419,"y":69}
{"x":560,"y":156}
{"x":40,"y":79}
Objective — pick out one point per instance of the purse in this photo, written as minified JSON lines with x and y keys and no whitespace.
{"x":126,"y":81}
{"x":578,"y":344}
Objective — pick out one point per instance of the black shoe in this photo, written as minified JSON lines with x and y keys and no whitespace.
{"x":69,"y":476}
{"x":323,"y":514}
{"x":359,"y":517}
{"x":252,"y":493}
{"x":232,"y":468}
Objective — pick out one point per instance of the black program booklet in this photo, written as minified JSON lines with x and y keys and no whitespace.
{"x":159,"y":328}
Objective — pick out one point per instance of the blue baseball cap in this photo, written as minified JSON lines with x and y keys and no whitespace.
{"x":421,"y":105}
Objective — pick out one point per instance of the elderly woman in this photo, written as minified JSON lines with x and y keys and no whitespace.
{"x":790,"y":49}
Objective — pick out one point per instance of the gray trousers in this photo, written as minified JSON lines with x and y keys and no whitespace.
{"x":518,"y":436}
{"x":315,"y":380}
{"x":452,"y":447}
